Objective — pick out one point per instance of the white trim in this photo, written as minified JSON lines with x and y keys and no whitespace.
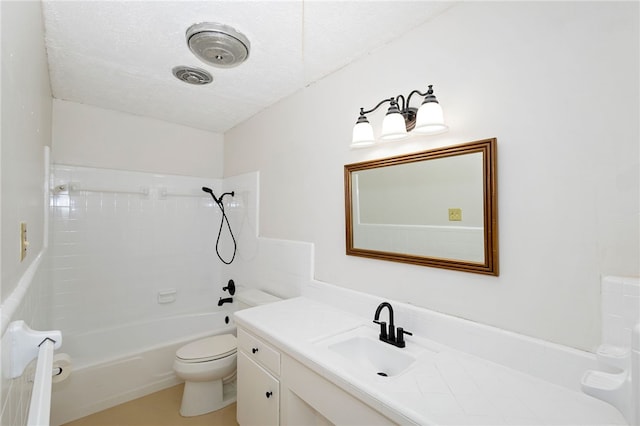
{"x":11,"y":303}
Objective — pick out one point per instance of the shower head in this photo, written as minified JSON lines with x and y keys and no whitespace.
{"x":210,"y":192}
{"x":217,"y":200}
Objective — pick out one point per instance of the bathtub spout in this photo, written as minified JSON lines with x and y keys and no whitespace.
{"x":226,"y":300}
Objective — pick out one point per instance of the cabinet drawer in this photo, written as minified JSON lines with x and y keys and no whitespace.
{"x":259,"y":351}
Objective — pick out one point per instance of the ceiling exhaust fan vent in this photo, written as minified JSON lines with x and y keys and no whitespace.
{"x":217,"y":44}
{"x":192,"y":75}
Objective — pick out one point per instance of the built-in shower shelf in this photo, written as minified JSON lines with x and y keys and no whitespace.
{"x":614,"y":356}
{"x":603,"y":381}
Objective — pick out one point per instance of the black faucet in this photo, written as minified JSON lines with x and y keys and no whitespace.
{"x":390,"y":335}
{"x":226,"y":300}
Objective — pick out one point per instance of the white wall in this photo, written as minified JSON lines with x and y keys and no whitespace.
{"x":556,"y":83}
{"x":85,"y":135}
{"x":25,"y":131}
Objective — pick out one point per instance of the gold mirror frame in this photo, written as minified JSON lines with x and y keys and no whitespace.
{"x":488,"y":148}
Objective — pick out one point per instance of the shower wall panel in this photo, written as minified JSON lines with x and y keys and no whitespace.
{"x":128,"y":246}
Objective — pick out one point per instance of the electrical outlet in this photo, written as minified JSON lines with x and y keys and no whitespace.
{"x":24,"y":243}
{"x":455,"y":215}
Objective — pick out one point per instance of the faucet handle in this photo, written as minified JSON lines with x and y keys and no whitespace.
{"x":392,"y":333}
{"x":401,"y":332}
{"x":383,"y":329}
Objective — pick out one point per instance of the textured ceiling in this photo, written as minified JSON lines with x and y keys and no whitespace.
{"x":119,"y":54}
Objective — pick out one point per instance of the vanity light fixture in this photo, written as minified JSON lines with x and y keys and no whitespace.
{"x":401,"y":119}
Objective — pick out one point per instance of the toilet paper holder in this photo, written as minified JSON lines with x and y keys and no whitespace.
{"x":24,"y":344}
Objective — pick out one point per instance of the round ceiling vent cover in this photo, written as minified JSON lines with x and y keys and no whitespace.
{"x":217,"y":44}
{"x":192,"y":75}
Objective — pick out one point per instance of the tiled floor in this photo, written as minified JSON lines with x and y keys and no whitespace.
{"x":158,"y":409}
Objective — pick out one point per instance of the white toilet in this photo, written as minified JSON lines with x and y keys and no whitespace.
{"x":208,"y":366}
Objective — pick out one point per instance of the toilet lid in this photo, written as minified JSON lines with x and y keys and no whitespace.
{"x":208,"y":349}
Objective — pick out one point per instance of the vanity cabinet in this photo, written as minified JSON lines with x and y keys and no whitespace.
{"x":310,"y":399}
{"x":258,"y":382}
{"x":274,"y":389}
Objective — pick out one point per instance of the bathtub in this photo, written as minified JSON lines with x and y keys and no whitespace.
{"x":106,"y":373}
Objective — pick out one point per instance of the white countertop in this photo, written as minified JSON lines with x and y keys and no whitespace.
{"x":445,"y":387}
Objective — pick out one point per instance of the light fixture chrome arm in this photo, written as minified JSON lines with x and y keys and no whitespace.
{"x":369,"y":111}
{"x":362,"y":131}
{"x":410,"y":113}
{"x":401,"y":118}
{"x":429,"y":96}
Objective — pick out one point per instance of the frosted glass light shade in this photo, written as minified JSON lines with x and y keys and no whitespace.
{"x":362,"y":135}
{"x":393,"y":127}
{"x":430,"y":119}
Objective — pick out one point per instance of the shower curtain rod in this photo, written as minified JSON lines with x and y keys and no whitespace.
{"x":144,"y":190}
{"x":67,"y":188}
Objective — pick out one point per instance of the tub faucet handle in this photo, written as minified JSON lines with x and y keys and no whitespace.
{"x":231,"y":287}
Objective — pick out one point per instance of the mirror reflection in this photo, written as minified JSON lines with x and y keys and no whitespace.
{"x":435,"y":208}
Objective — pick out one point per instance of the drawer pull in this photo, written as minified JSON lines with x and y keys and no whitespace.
{"x":254,"y":350}
{"x":268,"y":394}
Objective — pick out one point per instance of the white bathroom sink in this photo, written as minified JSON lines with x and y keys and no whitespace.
{"x":374,"y":355}
{"x":361,"y":350}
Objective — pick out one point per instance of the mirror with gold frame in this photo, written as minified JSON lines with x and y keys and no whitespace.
{"x":434,"y":208}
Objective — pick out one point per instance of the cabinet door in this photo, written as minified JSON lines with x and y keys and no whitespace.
{"x":258,"y":394}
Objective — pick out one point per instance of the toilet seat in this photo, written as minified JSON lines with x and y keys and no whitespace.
{"x":208,"y":349}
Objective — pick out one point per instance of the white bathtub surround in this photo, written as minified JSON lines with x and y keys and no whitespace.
{"x":620,"y":309}
{"x":167,"y":269}
{"x":242,"y":210}
{"x":282,"y":268}
{"x":277,"y":266}
{"x":107,"y":374}
{"x":133,"y":269}
{"x":121,"y":239}
{"x":444,"y":386}
{"x":135,"y":276}
{"x":617,"y":380}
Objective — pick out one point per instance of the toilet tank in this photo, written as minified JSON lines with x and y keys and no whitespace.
{"x":249,"y":298}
